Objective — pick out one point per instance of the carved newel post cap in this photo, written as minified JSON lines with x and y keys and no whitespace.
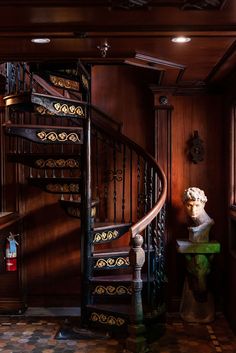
{"x":137,"y":241}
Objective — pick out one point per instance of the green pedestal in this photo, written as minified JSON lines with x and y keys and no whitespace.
{"x":197,"y":304}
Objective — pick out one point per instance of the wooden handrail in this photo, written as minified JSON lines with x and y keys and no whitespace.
{"x":139,"y":226}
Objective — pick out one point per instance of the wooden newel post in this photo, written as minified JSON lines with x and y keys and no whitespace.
{"x":136,"y":341}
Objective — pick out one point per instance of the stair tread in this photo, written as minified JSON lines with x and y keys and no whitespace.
{"x":77,"y":202}
{"x":51,"y":179}
{"x":109,"y":225}
{"x":114,"y":251}
{"x":44,"y":155}
{"x":117,"y":308}
{"x":117,"y":278}
{"x":28,"y":94}
{"x":45,"y":127}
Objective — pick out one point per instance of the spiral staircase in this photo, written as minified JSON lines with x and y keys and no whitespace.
{"x":103,"y":178}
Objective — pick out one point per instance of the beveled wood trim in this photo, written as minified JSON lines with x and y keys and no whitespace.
{"x":9,"y":219}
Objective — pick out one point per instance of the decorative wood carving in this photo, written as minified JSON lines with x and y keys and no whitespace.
{"x":202,"y":4}
{"x":196,"y":149}
{"x":129,"y":4}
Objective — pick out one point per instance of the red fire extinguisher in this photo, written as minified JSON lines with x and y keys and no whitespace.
{"x":11,"y":253}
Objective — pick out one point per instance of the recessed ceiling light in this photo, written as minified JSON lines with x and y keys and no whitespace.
{"x":40,"y":40}
{"x":181,"y":39}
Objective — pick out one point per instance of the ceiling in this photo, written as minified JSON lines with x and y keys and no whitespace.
{"x":137,"y":32}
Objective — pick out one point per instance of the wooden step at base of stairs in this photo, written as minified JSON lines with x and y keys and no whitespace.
{"x":109,"y":316}
{"x":107,"y":232}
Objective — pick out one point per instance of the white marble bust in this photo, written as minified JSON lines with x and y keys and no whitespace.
{"x":194,"y":200}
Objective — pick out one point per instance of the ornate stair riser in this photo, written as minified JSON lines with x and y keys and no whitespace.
{"x":112,"y":290}
{"x":73,"y":208}
{"x":60,"y":80}
{"x":56,"y":185}
{"x":110,"y":321}
{"x":75,"y":212}
{"x":47,"y":135}
{"x":110,"y":262}
{"x":106,"y":236}
{"x":57,"y":106}
{"x":46,"y":105}
{"x":67,"y":78}
{"x":40,"y":162}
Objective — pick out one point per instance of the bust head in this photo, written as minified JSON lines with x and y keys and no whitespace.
{"x":194,"y":200}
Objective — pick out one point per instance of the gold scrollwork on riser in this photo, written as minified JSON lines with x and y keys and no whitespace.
{"x":64,"y":83}
{"x":43,"y":111}
{"x":63,"y":188}
{"x":107,"y":319}
{"x":112,"y":291}
{"x":56,"y":163}
{"x":75,"y":211}
{"x":59,"y":108}
{"x":105,"y":236}
{"x":68,"y":109}
{"x":60,"y":137}
{"x":112,"y":262}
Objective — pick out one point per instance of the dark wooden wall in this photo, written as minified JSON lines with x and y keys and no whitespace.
{"x":51,"y":251}
{"x":129,"y":101}
{"x":204,"y":114}
{"x":230,"y":230}
{"x":121,"y":93}
{"x":52,"y":244}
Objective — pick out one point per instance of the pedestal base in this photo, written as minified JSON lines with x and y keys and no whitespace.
{"x":193,"y":310}
{"x":197,"y":304}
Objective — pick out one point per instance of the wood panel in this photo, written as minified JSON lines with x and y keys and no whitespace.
{"x":204,"y":114}
{"x":230,"y":230}
{"x":51,"y":251}
{"x":200,"y":112}
{"x":121,"y":92}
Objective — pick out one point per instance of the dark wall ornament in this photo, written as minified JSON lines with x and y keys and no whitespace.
{"x":202,"y":4}
{"x":195,"y":148}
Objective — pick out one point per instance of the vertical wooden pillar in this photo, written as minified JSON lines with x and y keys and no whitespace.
{"x":163,"y":145}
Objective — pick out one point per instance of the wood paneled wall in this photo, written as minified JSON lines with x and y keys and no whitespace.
{"x":51,"y":251}
{"x":204,"y":114}
{"x":52,"y":244}
{"x":230,"y":230}
{"x":122,"y":93}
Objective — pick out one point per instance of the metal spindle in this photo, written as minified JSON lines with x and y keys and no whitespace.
{"x":138,"y":187}
{"x":123,"y":183}
{"x":105,"y":180}
{"x":96,"y":165}
{"x":114,"y":181}
{"x":131,"y":185}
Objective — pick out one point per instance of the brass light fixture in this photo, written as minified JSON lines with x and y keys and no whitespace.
{"x":104,"y":49}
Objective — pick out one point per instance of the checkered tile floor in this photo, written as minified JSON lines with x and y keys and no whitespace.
{"x":37,"y":335}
